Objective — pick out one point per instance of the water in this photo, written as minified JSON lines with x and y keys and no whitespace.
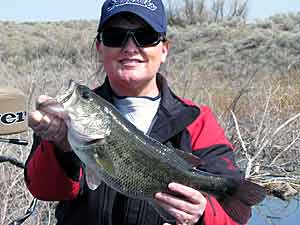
{"x":274,"y":211}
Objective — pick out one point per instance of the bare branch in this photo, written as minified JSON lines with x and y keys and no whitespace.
{"x":275,"y":133}
{"x":250,"y":161}
{"x":13,"y":161}
{"x":286,"y":149}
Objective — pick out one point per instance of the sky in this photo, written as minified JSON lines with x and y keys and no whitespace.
{"x":57,"y":10}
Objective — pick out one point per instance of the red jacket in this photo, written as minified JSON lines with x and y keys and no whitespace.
{"x":55,"y":176}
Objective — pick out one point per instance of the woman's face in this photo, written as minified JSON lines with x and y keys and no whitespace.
{"x":132,"y":70}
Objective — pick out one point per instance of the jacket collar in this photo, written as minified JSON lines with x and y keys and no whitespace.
{"x":173,"y":114}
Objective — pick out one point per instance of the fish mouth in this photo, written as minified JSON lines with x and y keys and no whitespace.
{"x":86,"y":145}
{"x":67,"y":93}
{"x":94,"y":141}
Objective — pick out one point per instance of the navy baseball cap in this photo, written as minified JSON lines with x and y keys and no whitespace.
{"x":151,"y":11}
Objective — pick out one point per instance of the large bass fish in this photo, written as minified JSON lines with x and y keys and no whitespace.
{"x":116,"y":152}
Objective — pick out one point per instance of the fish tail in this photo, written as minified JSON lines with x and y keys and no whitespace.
{"x":237,"y":210}
{"x":249,"y":193}
{"x":238,"y":204}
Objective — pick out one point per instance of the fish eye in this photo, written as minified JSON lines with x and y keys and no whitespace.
{"x":85,"y":95}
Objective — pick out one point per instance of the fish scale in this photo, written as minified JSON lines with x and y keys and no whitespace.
{"x":131,"y":165}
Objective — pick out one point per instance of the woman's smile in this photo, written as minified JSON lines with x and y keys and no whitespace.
{"x":131,"y":62}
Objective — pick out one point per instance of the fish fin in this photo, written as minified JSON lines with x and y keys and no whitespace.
{"x":93,"y":181}
{"x":162,"y":212}
{"x":249,"y":193}
{"x":190,"y":158}
{"x":237,"y":210}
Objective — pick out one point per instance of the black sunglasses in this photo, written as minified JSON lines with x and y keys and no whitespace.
{"x":118,"y":37}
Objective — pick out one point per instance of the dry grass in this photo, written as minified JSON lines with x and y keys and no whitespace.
{"x":252,"y":70}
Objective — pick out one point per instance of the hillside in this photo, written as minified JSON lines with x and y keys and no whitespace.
{"x":226,"y":50}
{"x":250,"y":69}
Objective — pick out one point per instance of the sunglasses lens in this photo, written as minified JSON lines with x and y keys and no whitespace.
{"x":114,"y":37}
{"x":117,"y":37}
{"x":147,"y":37}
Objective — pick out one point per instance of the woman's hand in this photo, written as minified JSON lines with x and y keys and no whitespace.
{"x":187,"y":209}
{"x":48,"y":121}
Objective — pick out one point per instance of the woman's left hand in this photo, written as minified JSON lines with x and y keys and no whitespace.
{"x":187,"y":209}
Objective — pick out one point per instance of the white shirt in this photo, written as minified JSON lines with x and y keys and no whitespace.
{"x":140,"y":111}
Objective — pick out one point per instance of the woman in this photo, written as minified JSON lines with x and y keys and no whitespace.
{"x":132,"y":43}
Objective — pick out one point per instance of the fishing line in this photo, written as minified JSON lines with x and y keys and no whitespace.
{"x":27,"y":214}
{"x":14,"y":141}
{"x":20,"y":165}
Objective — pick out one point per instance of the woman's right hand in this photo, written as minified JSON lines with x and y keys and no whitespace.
{"x":48,"y":122}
